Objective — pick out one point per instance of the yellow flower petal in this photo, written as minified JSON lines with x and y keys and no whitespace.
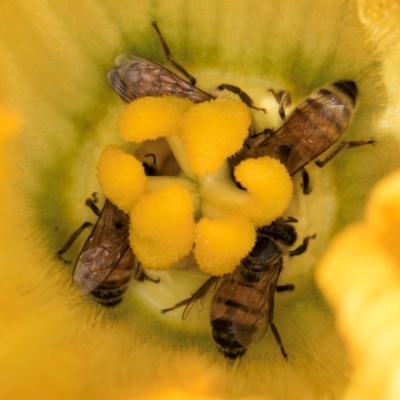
{"x":10,"y":123}
{"x":383,"y":213}
{"x":353,"y":270}
{"x":55,"y":58}
{"x":362,"y":281}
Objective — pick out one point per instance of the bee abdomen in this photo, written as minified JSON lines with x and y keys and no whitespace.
{"x":349,"y":88}
{"x":224,"y":337}
{"x":111,"y":293}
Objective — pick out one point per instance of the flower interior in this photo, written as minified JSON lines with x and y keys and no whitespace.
{"x":54,"y":60}
{"x":200,"y":206}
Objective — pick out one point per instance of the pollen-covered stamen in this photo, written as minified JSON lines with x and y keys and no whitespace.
{"x":270,"y":185}
{"x":202,"y":207}
{"x":149,"y":118}
{"x":202,"y":136}
{"x":269,"y":191}
{"x":222,"y":243}
{"x":214,"y":131}
{"x":162,"y":227}
{"x":121,"y":176}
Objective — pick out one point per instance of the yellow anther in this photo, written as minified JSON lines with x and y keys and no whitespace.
{"x":270,"y":185}
{"x":162,"y":227}
{"x":222,"y":243}
{"x":149,"y":118}
{"x":121,"y":177}
{"x":164,"y":210}
{"x":213,"y":131}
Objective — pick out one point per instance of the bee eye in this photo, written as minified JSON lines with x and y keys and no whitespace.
{"x":289,"y":235}
{"x":291,"y":239}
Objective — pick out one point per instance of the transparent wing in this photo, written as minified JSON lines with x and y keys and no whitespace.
{"x":248,"y":306}
{"x":106,"y":251}
{"x":195,"y":298}
{"x":199,"y":295}
{"x":312,"y":128}
{"x":137,"y":77}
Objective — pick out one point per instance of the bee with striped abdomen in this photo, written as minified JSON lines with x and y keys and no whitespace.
{"x":106,"y":263}
{"x":312,"y":128}
{"x":242,"y":305}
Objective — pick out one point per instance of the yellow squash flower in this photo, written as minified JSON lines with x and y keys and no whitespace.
{"x":57,"y":343}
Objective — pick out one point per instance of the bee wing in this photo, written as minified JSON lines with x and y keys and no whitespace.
{"x":270,"y":279}
{"x":137,"y":77}
{"x":312,"y":128}
{"x":199,"y":295}
{"x":106,"y":250}
{"x":249,"y":308}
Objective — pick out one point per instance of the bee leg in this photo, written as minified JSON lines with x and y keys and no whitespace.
{"x":197,"y":295}
{"x":182,"y":303}
{"x":340,"y":147}
{"x":284,"y":99}
{"x":306,"y":181}
{"x":91,"y":203}
{"x":71,"y":241}
{"x":149,"y":278}
{"x":303,"y":247}
{"x":140,"y":274}
{"x":95,"y":199}
{"x":267,"y":132}
{"x":284,"y":288}
{"x":243,"y":96}
{"x":278,"y":340}
{"x":168,"y":54}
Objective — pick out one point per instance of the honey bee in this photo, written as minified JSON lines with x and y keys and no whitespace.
{"x":137,"y":77}
{"x":311,"y":129}
{"x":106,"y":263}
{"x":242,"y":305}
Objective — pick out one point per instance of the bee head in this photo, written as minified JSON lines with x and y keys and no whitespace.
{"x":263,"y":253}
{"x":281,"y":231}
